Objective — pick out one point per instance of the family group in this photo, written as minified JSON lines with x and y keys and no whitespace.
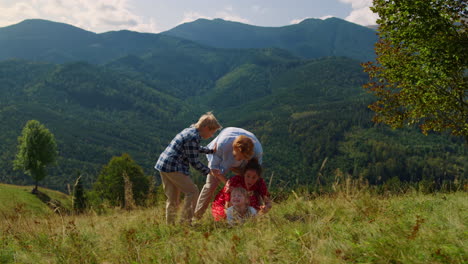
{"x":235,"y":150}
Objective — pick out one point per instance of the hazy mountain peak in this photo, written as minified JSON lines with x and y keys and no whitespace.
{"x":310,"y":20}
{"x":35,"y":26}
{"x":311,"y":38}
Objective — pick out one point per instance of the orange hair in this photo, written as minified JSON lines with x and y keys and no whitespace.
{"x":244,"y":145}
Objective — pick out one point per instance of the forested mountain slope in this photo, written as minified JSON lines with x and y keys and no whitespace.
{"x":43,"y":40}
{"x":310,"y":114}
{"x":312,"y":38}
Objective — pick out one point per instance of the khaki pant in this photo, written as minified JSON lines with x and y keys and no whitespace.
{"x":174,"y":183}
{"x":206,"y":195}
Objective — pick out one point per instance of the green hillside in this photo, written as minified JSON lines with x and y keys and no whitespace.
{"x":312,"y":38}
{"x":18,"y":201}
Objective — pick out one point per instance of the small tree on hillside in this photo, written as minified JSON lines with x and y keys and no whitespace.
{"x":110,"y":184}
{"x":79,"y":200}
{"x":36,"y":150}
{"x":420,"y":76}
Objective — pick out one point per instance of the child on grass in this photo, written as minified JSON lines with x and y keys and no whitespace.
{"x":240,"y":209}
{"x":252,"y":181}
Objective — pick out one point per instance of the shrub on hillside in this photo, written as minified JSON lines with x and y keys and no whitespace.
{"x":110,"y":185}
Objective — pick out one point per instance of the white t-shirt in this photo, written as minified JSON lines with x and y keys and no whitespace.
{"x":223,"y":158}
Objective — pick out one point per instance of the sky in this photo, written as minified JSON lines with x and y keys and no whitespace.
{"x":155,"y":16}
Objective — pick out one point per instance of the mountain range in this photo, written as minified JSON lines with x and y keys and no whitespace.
{"x":43,"y":40}
{"x":312,"y":38}
{"x":106,"y":94}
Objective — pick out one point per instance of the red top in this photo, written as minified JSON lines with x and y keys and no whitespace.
{"x":258,"y":190}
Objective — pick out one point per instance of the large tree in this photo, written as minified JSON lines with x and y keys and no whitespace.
{"x":420,"y":73}
{"x":36,"y":150}
{"x":110,"y":184}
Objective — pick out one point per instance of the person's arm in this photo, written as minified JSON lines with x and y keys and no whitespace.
{"x":217,"y":158}
{"x":207,"y":150}
{"x":218,"y":175}
{"x":265,"y":196}
{"x":266,"y":206}
{"x":253,"y":211}
{"x":191,"y":149}
{"x":227,"y":193}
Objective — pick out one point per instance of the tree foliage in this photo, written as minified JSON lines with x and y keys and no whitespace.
{"x":110,"y":184}
{"x":420,"y":73}
{"x":36,"y":150}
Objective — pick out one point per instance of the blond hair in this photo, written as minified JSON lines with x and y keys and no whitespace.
{"x":244,"y":145}
{"x":242,"y":191}
{"x":208,"y":120}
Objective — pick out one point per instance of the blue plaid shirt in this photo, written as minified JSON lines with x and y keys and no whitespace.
{"x":183,"y":150}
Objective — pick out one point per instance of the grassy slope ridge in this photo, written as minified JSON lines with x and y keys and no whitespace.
{"x":349,"y":226}
{"x":19,"y":201}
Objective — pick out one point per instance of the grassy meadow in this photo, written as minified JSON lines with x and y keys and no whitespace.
{"x":18,"y":201}
{"x":348,"y":226}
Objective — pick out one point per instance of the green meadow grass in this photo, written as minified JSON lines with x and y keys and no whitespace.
{"x":19,"y":201}
{"x":344,"y":227}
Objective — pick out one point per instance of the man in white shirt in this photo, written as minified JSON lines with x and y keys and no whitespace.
{"x":235,"y":146}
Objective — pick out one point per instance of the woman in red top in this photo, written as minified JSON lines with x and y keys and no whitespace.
{"x":255,"y":185}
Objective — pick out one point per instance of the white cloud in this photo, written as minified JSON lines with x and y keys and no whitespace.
{"x":192,"y":16}
{"x":258,"y":9}
{"x":231,"y":17}
{"x":296,"y":21}
{"x":9,"y":13}
{"x":93,"y":15}
{"x":361,"y":13}
{"x":362,"y":16}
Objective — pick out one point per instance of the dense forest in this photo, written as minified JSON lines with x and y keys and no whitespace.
{"x":310,"y":114}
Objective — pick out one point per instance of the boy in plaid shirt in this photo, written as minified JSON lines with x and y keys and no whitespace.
{"x":173,"y":166}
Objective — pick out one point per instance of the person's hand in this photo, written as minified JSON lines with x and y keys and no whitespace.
{"x":265,"y":208}
{"x":215,"y":147}
{"x":215,"y":172}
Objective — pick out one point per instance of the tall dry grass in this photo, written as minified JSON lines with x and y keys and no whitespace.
{"x":351,"y":225}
